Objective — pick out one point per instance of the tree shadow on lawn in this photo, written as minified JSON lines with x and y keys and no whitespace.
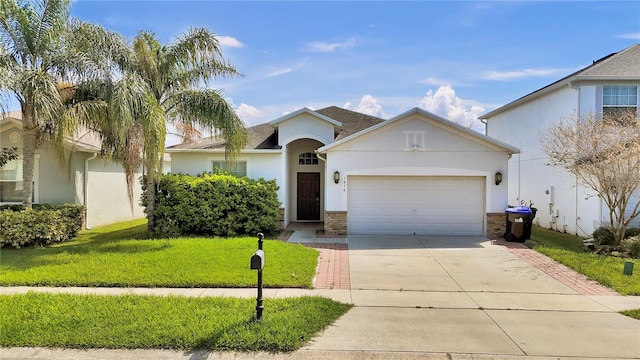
{"x":86,"y":242}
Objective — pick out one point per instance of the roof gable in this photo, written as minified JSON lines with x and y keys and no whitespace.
{"x":304,"y":110}
{"x":435,"y":120}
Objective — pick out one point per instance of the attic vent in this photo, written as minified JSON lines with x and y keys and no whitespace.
{"x":415,"y":140}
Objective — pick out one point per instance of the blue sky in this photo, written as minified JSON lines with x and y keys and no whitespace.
{"x":456,"y":59}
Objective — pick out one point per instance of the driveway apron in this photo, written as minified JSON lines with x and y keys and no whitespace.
{"x":468,"y":295}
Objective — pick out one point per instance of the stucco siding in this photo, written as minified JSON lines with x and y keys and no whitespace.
{"x":108,"y":201}
{"x":573,"y":208}
{"x":384,"y":152}
{"x":266,"y":166}
{"x":305,"y":126}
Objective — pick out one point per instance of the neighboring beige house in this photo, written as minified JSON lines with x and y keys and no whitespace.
{"x":416,"y":173}
{"x":84,"y":179}
{"x":610,"y":83}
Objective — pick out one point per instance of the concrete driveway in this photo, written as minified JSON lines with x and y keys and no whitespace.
{"x":464,"y":295}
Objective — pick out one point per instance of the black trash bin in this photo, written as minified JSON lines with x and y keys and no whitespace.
{"x":519,"y":221}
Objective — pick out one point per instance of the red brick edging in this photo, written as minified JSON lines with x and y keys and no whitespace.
{"x":567,"y":276}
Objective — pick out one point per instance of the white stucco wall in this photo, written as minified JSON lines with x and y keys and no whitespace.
{"x":259,"y":165}
{"x":384,"y":152}
{"x":60,"y":183}
{"x":305,"y":126}
{"x":573,"y":208}
{"x":107,"y":198}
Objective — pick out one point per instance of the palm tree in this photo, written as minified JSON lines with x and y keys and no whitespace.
{"x":41,"y":49}
{"x":161,"y":84}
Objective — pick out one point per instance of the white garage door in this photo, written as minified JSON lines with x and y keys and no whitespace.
{"x":415,"y":205}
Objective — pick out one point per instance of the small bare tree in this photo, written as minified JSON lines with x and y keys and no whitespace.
{"x":603,"y":152}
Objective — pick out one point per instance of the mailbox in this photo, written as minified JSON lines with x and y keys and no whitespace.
{"x":257,"y":260}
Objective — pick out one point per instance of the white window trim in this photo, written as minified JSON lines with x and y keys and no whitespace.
{"x":241,"y":159}
{"x":314,"y":158}
{"x":36,"y":182}
{"x":603,"y":106}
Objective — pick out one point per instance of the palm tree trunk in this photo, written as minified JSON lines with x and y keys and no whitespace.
{"x":151,"y":201}
{"x":28,"y":161}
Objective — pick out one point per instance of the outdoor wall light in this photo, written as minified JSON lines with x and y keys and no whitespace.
{"x":336,"y":177}
{"x":498,"y":178}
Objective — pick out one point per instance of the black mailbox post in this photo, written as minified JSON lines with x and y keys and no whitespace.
{"x":257,"y":263}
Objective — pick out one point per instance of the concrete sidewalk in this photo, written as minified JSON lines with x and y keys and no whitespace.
{"x":430,"y":298}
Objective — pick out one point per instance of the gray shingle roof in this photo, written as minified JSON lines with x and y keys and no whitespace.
{"x":623,"y":63}
{"x":265,"y":136}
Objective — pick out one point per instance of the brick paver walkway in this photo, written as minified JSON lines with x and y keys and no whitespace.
{"x":562,"y":273}
{"x":333,"y":266}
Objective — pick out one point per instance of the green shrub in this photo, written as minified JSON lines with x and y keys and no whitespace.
{"x":603,"y":236}
{"x":215,"y":204}
{"x":632,"y":246}
{"x":632,"y":231}
{"x":43,"y":225}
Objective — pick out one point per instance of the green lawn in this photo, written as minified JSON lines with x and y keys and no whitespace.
{"x":567,"y":249}
{"x":152,"y":322}
{"x":119,"y":255}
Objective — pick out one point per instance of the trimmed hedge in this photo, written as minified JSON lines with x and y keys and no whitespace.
{"x":42,"y":225}
{"x":215,"y":205}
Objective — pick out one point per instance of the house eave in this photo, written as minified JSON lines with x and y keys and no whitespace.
{"x":525,"y":99}
{"x":222,"y":151}
{"x":474,"y":135}
{"x":306,"y":110}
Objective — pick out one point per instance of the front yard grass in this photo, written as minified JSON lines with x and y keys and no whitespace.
{"x":567,"y":249}
{"x":119,"y":255}
{"x":153,"y":322}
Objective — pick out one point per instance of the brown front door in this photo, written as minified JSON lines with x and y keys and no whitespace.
{"x":308,"y":196}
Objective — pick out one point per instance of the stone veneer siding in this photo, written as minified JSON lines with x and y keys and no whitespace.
{"x":335,"y":223}
{"x":496,"y":225}
{"x":280,"y":223}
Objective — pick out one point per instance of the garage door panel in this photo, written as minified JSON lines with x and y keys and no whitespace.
{"x":420,"y":205}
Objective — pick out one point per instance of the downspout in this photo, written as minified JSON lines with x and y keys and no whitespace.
{"x":86,"y":189}
{"x":484,"y":121}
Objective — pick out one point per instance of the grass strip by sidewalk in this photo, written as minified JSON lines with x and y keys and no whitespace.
{"x":119,"y":256}
{"x":567,"y":249}
{"x":606,"y":270}
{"x":634,"y":313}
{"x":154,"y":322}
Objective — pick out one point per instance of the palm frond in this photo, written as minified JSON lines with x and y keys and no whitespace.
{"x":197,"y":56}
{"x":208,"y":109}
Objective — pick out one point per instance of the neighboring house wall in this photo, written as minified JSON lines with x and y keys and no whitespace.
{"x":99,"y":185}
{"x":108,"y":200}
{"x":563,"y":204}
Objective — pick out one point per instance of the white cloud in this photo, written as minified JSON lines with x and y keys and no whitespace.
{"x":445,"y":103}
{"x":368,"y":105}
{"x":517,"y":74}
{"x":229,"y":41}
{"x":279,"y":72}
{"x":630,"y":36}
{"x":248,"y":113}
{"x":323,"y":46}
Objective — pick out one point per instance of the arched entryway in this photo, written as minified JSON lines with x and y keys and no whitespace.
{"x":306,"y":175}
